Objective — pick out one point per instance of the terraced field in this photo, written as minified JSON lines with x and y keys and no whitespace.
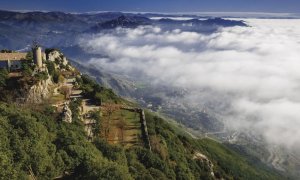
{"x":121,"y":127}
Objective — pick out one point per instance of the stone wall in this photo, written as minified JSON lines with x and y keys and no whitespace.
{"x":144,"y":128}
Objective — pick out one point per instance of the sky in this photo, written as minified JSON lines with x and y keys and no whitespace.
{"x":283,"y":6}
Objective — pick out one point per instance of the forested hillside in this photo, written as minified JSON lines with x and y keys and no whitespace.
{"x":36,"y":143}
{"x":36,"y":140}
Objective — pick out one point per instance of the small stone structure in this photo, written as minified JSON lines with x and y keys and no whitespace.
{"x":13,"y":60}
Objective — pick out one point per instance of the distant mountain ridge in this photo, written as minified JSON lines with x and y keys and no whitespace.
{"x":59,"y":29}
{"x":209,"y":21}
{"x":122,"y":21}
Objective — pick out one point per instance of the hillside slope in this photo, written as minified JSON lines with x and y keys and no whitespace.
{"x":35,"y":142}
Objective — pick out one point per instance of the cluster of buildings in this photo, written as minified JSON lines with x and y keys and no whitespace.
{"x":13,"y":60}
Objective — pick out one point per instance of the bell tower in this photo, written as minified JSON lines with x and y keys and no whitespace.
{"x":37,"y":55}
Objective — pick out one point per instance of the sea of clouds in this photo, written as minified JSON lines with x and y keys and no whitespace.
{"x":255,"y":69}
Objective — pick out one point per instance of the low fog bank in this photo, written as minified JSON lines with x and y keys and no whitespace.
{"x":251,"y":75}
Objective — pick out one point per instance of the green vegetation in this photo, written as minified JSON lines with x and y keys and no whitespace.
{"x":29,"y":56}
{"x":178,"y":150}
{"x":97,"y":126}
{"x":51,"y":68}
{"x":27,"y":68}
{"x":53,"y":72}
{"x":41,"y":76}
{"x":31,"y":139}
{"x":94,"y":91}
{"x":6,"y":51}
{"x":34,"y":141}
{"x":3,"y":77}
{"x":119,"y":126}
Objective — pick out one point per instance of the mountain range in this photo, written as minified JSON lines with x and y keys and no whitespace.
{"x":58,"y":29}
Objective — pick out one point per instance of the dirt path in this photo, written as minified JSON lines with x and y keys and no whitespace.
{"x":85,"y":108}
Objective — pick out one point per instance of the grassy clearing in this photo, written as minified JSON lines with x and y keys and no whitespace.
{"x":122,"y":127}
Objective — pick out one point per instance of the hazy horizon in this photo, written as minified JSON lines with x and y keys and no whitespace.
{"x":290,"y":6}
{"x":232,"y":14}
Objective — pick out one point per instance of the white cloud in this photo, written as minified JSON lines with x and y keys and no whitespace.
{"x":255,"y":69}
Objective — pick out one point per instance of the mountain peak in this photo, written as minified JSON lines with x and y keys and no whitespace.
{"x":122,"y":21}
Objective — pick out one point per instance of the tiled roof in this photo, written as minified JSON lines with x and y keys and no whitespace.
{"x":12,"y":56}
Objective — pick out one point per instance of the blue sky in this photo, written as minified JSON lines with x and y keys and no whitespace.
{"x":155,"y":5}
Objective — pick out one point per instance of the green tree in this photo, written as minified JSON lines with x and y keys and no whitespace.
{"x":3,"y":77}
{"x":6,"y":51}
{"x":55,"y":77}
{"x":42,"y":75}
{"x":29,"y":56}
{"x":51,"y":68}
{"x":97,"y":126}
{"x":26,"y":68}
{"x":7,"y":170}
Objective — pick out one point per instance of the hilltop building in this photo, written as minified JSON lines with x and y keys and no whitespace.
{"x":12,"y":61}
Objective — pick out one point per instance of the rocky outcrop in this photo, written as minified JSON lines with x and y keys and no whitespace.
{"x":66,"y":114}
{"x":61,"y":61}
{"x":206,"y":161}
{"x":39,"y":92}
{"x":56,"y":55}
{"x":53,"y":55}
